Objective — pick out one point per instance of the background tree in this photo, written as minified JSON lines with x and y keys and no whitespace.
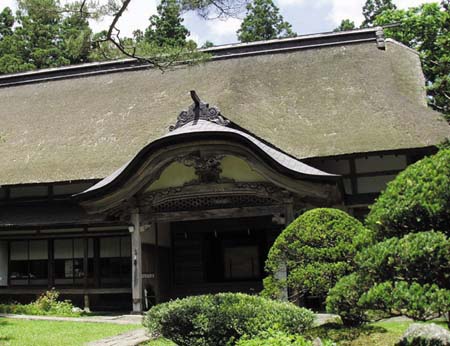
{"x":346,"y":24}
{"x":75,"y":35}
{"x":208,"y":44}
{"x":263,"y":22}
{"x":43,"y":35}
{"x":317,"y":249}
{"x":166,"y":28}
{"x":6,"y":22}
{"x":372,"y":8}
{"x":427,"y":29}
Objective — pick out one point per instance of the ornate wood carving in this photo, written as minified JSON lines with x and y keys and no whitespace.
{"x":207,"y":168}
{"x":199,"y":111}
{"x":211,"y":196}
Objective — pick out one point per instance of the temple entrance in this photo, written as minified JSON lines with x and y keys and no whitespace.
{"x":204,"y":203}
{"x":220,"y":255}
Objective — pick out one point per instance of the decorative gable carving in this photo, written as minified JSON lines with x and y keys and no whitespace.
{"x":199,"y":111}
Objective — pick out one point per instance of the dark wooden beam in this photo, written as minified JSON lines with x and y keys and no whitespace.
{"x":37,"y":290}
{"x":218,"y":213}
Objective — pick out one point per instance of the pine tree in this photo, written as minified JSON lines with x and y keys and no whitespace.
{"x":75,"y":38}
{"x":345,"y":25}
{"x":38,"y":33}
{"x":372,"y":8}
{"x":166,"y":28}
{"x":263,"y":22}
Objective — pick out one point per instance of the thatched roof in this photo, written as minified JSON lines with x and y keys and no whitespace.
{"x":336,"y":98}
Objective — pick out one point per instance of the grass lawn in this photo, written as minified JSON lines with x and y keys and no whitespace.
{"x":374,"y":334}
{"x":51,"y":333}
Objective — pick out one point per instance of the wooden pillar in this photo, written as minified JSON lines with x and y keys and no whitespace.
{"x":157,"y":271}
{"x":136,"y":258}
{"x":282,"y":271}
{"x":51,"y":264}
{"x":85,"y":270}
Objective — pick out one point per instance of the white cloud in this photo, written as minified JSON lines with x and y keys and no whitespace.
{"x":136,"y":17}
{"x":352,"y":9}
{"x":222,"y":28}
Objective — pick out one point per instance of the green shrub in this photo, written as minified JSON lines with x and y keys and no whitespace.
{"x":222,"y":319}
{"x":275,"y":338}
{"x":318,"y":248}
{"x":343,"y":300}
{"x":409,"y":276}
{"x":46,"y":304}
{"x":417,"y":257}
{"x":419,"y":302}
{"x":418,"y":199}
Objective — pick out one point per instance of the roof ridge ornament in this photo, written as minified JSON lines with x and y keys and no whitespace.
{"x":199,"y":111}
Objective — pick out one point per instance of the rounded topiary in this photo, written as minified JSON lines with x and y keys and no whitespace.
{"x":418,"y":199}
{"x":318,"y":248}
{"x":223,"y":318}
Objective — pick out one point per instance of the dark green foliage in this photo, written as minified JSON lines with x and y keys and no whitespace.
{"x":6,"y":22}
{"x":343,"y":299}
{"x":318,"y":248}
{"x":166,"y":28}
{"x":346,"y":24}
{"x":372,"y":8}
{"x":426,"y":28}
{"x":409,"y":276}
{"x":208,"y":44}
{"x":263,"y":22}
{"x":418,"y":257}
{"x":277,"y":338}
{"x":224,"y":318}
{"x":418,"y":199}
{"x":420,"y":302}
{"x":42,"y":37}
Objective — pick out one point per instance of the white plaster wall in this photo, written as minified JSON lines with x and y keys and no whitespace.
{"x":380,"y":163}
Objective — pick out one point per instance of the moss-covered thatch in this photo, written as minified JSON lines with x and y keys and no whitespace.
{"x":317,"y":102}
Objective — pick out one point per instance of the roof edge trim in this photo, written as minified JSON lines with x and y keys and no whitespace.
{"x":218,"y":53}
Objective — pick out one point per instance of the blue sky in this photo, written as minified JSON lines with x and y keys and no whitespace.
{"x":306,"y":16}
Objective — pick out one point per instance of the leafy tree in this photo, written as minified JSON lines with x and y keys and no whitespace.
{"x":6,"y":22}
{"x":263,"y":22}
{"x":418,"y":199}
{"x":317,"y":249}
{"x":346,"y":24}
{"x":166,"y":28}
{"x":372,"y":8}
{"x":427,"y":29}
